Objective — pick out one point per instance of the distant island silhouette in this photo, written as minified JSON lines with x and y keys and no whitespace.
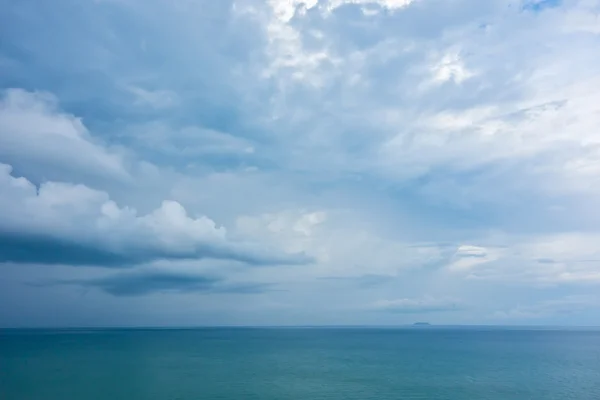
{"x":421,"y":324}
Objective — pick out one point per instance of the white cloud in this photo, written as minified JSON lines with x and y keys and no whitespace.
{"x":391,"y":5}
{"x":286,"y":49}
{"x":340,"y":244}
{"x":285,"y":10}
{"x":555,"y":134}
{"x":451,"y":68}
{"x":536,"y":108}
{"x":468,"y":257}
{"x":552,"y":259}
{"x":290,"y":58}
{"x":36,"y":135}
{"x":584,"y":17}
{"x":76,"y":215}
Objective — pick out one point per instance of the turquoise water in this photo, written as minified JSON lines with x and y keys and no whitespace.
{"x":302,"y":364}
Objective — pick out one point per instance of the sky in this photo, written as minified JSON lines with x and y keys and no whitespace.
{"x":289,"y":162}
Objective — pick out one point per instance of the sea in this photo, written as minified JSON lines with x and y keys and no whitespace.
{"x":301,"y":364}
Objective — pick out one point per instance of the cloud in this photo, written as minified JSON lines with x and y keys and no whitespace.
{"x":141,"y":283}
{"x":428,"y":102}
{"x":539,"y":5}
{"x":392,"y":146}
{"x":583,"y":18}
{"x":551,"y":259}
{"x":450,"y":68}
{"x":339,"y":242}
{"x":40,"y":140}
{"x":190,"y":143}
{"x":391,"y":5}
{"x":418,"y":305}
{"x":468,"y":257}
{"x":569,"y":305}
{"x":364,"y":281}
{"x":157,"y":99}
{"x":74,"y":224}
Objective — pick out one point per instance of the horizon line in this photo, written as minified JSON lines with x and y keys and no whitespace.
{"x":306,"y":326}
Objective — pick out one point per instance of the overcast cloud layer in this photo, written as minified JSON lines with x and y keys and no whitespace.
{"x":288,"y":162}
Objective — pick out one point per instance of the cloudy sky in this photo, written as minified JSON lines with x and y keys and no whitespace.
{"x":282,"y":162}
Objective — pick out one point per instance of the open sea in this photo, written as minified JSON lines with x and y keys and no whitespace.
{"x":300,"y":364}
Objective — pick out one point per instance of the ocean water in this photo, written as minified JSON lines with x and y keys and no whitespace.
{"x":300,"y":364}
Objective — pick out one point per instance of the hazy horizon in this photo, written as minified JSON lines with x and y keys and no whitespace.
{"x":390,"y":326}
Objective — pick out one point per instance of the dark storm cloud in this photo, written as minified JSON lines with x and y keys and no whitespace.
{"x":142,"y":283}
{"x":44,"y":249}
{"x":38,"y":249}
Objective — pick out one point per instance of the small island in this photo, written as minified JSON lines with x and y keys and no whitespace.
{"x":421,"y":324}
